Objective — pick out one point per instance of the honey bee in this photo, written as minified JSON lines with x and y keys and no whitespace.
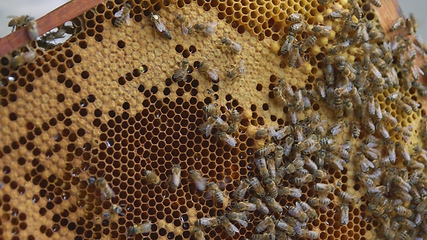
{"x":411,"y":102}
{"x":208,"y":29}
{"x":365,"y":164}
{"x":234,"y":120}
{"x":355,"y":97}
{"x":337,"y":128}
{"x":321,"y":30}
{"x":199,"y":181}
{"x":152,"y":177}
{"x":232,"y":45}
{"x":329,"y":74}
{"x":181,"y":20}
{"x":310,"y":234}
{"x":262,"y":167}
{"x":295,"y":224}
{"x":106,"y":191}
{"x":175,"y":178}
{"x":344,"y":214}
{"x":209,"y":72}
{"x":271,"y":187}
{"x":313,"y":95}
{"x":287,"y":88}
{"x":296,"y":17}
{"x":273,"y":204}
{"x":323,"y":187}
{"x":181,"y":73}
{"x":349,"y":25}
{"x":422,"y":206}
{"x":227,"y":138}
{"x":282,"y":225}
{"x":308,"y":43}
{"x":216,"y":192}
{"x":264,"y":224}
{"x":355,"y":129}
{"x":264,"y":132}
{"x":266,"y":150}
{"x":403,"y":211}
{"x":297,"y":212}
{"x":287,"y":45}
{"x":260,"y":205}
{"x":376,"y":36}
{"x":139,"y":228}
{"x":240,"y":191}
{"x":235,"y":71}
{"x":346,"y":70}
{"x":47,"y":38}
{"x":198,"y":234}
{"x":293,"y":56}
{"x":403,"y":150}
{"x":288,"y":191}
{"x":229,"y":227}
{"x":211,"y":110}
{"x":207,"y":126}
{"x":259,"y":190}
{"x":277,"y":161}
{"x":389,"y":119}
{"x":240,"y":217}
{"x":298,"y":27}
{"x":18,"y":22}
{"x":347,"y":197}
{"x":23,"y":58}
{"x":299,"y":181}
{"x":33,"y":32}
{"x":24,"y":20}
{"x":376,"y":3}
{"x":221,"y":125}
{"x":263,"y":236}
{"x":123,"y":15}
{"x":118,"y":209}
{"x":355,"y":8}
{"x":308,"y":146}
{"x":207,"y":222}
{"x":315,"y":202}
{"x":245,"y":206}
{"x":159,"y":25}
{"x":383,"y":130}
{"x":311,"y":213}
{"x":338,"y":14}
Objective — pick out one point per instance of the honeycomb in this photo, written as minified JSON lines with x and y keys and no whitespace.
{"x":112,"y":103}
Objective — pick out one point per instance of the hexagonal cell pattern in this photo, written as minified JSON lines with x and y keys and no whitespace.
{"x":303,"y":118}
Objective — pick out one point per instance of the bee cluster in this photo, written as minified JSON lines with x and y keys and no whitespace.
{"x":107,"y":193}
{"x":385,"y":166}
{"x":342,"y":159}
{"x":224,"y":128}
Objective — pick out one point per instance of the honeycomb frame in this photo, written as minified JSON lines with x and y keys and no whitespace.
{"x":105,"y":104}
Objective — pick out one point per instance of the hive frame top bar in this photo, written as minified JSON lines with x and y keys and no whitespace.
{"x":49,"y":21}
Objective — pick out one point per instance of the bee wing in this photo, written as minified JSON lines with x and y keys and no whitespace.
{"x":231,"y":141}
{"x":127,"y":20}
{"x":12,"y":16}
{"x":160,"y":26}
{"x":242,"y":222}
{"x":231,"y":230}
{"x":103,"y":196}
{"x":184,"y":29}
{"x":212,"y":24}
{"x":201,"y":184}
{"x":118,"y":13}
{"x":206,"y":128}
